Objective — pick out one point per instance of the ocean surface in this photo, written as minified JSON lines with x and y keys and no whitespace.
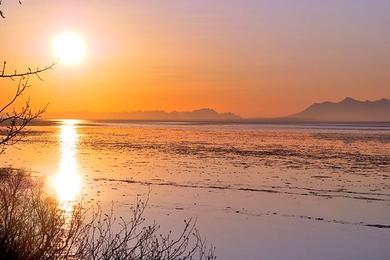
{"x":257,"y":191}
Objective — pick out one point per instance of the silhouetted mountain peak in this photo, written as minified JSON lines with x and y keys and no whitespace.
{"x":205,"y":111}
{"x":384,"y":100}
{"x":349,"y":100}
{"x":349,"y":109}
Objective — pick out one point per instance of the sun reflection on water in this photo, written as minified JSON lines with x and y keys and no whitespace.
{"x":67,"y":181}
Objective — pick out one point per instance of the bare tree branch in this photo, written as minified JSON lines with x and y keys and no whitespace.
{"x":12,"y":121}
{"x":29,"y":71}
{"x":2,"y":13}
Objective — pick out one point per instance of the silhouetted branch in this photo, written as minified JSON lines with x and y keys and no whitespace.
{"x":12,"y":121}
{"x":29,"y":71}
{"x":2,"y":13}
{"x":134,"y":240}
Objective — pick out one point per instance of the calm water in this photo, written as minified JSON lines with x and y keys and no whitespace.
{"x":257,"y":191}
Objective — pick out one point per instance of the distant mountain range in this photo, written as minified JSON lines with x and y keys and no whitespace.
{"x":347,"y":110}
{"x":204,"y":114}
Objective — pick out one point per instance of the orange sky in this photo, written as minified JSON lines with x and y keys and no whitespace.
{"x":253,"y":58}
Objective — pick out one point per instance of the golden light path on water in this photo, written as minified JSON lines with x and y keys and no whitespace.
{"x":67,"y":181}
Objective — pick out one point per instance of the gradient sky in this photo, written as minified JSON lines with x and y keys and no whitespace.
{"x":250,"y":57}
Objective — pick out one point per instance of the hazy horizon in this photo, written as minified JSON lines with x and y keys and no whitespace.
{"x":340,"y":113}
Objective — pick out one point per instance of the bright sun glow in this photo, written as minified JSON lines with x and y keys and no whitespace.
{"x":69,"y":48}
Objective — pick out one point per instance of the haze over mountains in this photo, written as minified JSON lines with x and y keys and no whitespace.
{"x":347,"y":110}
{"x":204,"y":114}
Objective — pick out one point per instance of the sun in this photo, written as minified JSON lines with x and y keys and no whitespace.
{"x":69,"y":48}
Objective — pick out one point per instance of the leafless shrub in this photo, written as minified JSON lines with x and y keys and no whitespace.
{"x":135,"y":240}
{"x":33,"y":226}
